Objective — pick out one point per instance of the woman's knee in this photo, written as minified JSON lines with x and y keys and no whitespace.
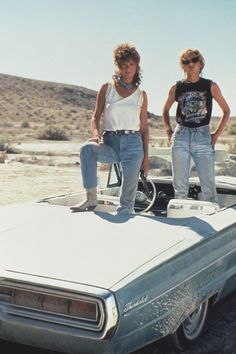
{"x":88,"y":147}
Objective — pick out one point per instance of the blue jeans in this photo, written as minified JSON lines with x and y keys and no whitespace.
{"x":193,"y":143}
{"x":126,"y":149}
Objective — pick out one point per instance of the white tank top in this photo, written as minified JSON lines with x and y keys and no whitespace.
{"x":122,"y":112}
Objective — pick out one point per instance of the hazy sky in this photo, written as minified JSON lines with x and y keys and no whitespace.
{"x":71,"y":41}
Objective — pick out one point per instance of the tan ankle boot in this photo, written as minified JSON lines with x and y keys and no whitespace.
{"x":89,"y":204}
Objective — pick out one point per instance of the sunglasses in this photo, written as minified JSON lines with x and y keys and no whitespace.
{"x":188,"y":61}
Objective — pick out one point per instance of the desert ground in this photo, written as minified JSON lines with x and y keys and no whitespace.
{"x":40,"y":171}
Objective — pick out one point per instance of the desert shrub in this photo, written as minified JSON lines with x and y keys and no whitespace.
{"x":53,"y":133}
{"x":232,"y":129}
{"x":4,"y":142}
{"x":25,"y":124}
{"x":5,"y":145}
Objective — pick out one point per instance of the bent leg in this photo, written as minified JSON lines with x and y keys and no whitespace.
{"x":90,"y":154}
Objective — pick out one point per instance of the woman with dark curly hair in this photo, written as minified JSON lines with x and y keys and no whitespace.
{"x":192,"y":137}
{"x":124,"y":135}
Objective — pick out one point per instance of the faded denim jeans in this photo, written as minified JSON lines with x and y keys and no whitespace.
{"x":193,"y":143}
{"x":126,"y":149}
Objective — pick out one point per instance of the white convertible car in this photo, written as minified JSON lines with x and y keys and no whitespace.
{"x":101,"y":283}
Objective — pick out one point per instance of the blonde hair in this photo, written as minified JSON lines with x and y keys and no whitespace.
{"x":124,"y":52}
{"x":193,"y":53}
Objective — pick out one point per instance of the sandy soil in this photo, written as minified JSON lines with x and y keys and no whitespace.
{"x":24,"y":182}
{"x":41,"y":170}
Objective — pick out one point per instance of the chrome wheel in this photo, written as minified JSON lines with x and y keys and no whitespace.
{"x":191,"y":328}
{"x":193,"y":325}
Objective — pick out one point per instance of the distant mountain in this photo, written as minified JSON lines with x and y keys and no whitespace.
{"x":15,"y":88}
{"x":30,"y":107}
{"x":32,"y":104}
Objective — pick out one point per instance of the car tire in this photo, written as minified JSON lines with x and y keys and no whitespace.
{"x":191,"y":329}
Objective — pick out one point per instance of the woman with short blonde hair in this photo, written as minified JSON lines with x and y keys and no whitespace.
{"x":192,"y":138}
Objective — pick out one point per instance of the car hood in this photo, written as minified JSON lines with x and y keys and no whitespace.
{"x":95,"y":249}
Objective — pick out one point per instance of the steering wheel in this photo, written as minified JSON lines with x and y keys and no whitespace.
{"x":145,"y":195}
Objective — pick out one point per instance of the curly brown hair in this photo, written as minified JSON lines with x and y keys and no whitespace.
{"x":124,"y":52}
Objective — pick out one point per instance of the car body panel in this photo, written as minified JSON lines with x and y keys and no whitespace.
{"x":150,"y":272}
{"x":124,"y":239}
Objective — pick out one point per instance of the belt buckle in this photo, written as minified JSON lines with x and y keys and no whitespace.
{"x":123,"y":131}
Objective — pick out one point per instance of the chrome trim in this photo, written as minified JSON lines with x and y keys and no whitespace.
{"x":105,"y":302}
{"x":34,"y":314}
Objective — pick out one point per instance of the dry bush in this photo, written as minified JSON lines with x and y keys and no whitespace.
{"x":232,"y":129}
{"x":25,"y":124}
{"x":53,"y":133}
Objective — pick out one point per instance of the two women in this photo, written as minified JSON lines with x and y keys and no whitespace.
{"x":124,"y":134}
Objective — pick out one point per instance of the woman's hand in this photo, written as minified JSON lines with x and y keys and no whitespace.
{"x":214,"y":138}
{"x":145,"y":166}
{"x":169,"y":133}
{"x":97,"y":139}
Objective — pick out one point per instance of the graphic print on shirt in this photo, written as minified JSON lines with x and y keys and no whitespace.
{"x":193,"y":106}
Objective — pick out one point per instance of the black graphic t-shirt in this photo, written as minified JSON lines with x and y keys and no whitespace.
{"x":194,"y":103}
